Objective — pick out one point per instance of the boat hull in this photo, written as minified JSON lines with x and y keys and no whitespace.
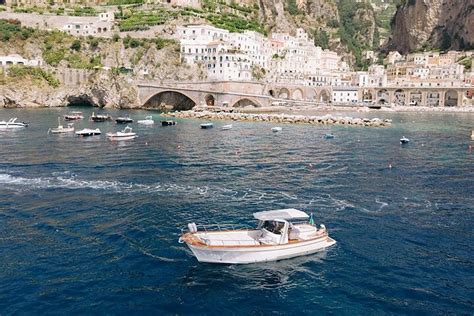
{"x":255,"y":254}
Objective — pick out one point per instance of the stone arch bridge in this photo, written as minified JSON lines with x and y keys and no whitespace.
{"x":185,"y":95}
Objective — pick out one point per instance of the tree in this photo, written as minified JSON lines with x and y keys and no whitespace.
{"x":321,"y":38}
{"x":76,"y":45}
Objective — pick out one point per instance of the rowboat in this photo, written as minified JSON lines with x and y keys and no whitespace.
{"x":207,"y":125}
{"x":123,"y":120}
{"x":74,"y":115}
{"x":280,"y":234}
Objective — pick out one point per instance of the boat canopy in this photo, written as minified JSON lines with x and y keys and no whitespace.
{"x":285,"y":214}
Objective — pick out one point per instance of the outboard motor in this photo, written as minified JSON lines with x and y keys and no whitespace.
{"x":322,"y":227}
{"x":192,"y":228}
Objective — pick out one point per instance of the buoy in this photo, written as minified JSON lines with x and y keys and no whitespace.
{"x":390,"y":166}
{"x":146,"y":143}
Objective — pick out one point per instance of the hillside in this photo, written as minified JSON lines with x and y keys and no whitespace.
{"x":433,"y":24}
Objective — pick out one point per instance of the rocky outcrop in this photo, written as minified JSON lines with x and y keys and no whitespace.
{"x":443,"y":24}
{"x":103,"y":90}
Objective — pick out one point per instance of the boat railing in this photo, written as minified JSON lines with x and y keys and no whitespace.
{"x":219,"y":227}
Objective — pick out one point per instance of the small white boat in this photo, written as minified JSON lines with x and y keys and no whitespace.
{"x":226,"y":127}
{"x":125,"y":134}
{"x":280,"y":234}
{"x":472,"y":135}
{"x":404,"y":140}
{"x":276,"y":129}
{"x":100,"y":117}
{"x":61,"y":129}
{"x":207,"y":125}
{"x":88,"y":132}
{"x":328,"y":136}
{"x":123,"y":120}
{"x":12,"y":123}
{"x":147,"y":121}
{"x":75,"y":115}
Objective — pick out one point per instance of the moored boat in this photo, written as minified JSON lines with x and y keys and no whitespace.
{"x":12,"y":124}
{"x":61,"y":129}
{"x":226,"y":127}
{"x":472,"y":135}
{"x":276,"y":129}
{"x":147,"y":121}
{"x":73,"y":116}
{"x":99,"y":117}
{"x":207,"y":125}
{"x":88,"y":132}
{"x":168,"y":123}
{"x":328,"y":136}
{"x":123,"y":120}
{"x":404,"y":140}
{"x":280,"y":234}
{"x":125,"y":134}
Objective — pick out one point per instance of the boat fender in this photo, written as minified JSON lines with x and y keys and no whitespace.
{"x":323,"y":227}
{"x":192,"y":227}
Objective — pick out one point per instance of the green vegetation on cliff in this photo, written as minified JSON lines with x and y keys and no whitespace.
{"x":34,"y":75}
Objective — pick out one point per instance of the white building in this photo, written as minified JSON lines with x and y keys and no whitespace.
{"x":344,"y":94}
{"x":282,"y":57}
{"x":18,"y":60}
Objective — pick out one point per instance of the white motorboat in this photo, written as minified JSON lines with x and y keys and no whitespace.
{"x":404,"y":140}
{"x":328,"y":136}
{"x":207,"y":125}
{"x":88,"y":132}
{"x":73,"y":116}
{"x":123,"y":120}
{"x":125,"y":134}
{"x":61,"y":129}
{"x":147,"y":121}
{"x":472,"y":135}
{"x":226,"y":127}
{"x":276,"y":129}
{"x":12,"y":123}
{"x":280,"y":234}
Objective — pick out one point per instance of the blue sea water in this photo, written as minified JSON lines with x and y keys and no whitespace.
{"x":89,"y":226}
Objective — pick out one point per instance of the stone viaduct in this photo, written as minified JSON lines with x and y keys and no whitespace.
{"x":185,"y":95}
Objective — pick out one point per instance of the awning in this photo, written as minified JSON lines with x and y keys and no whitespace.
{"x":286,"y":214}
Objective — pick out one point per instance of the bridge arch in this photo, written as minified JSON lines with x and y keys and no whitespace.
{"x":246,"y":102}
{"x":297,"y":94}
{"x":415,"y":97}
{"x":324,"y":96}
{"x":433,"y":98}
{"x":170,"y":99}
{"x":210,"y":100}
{"x":451,"y":98}
{"x":284,"y":93}
{"x":383,"y":96}
{"x":312,"y":95}
{"x":400,"y":97}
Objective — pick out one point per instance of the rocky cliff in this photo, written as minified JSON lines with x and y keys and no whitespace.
{"x":427,"y":24}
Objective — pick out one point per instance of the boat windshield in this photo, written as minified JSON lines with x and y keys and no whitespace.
{"x":273,"y":226}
